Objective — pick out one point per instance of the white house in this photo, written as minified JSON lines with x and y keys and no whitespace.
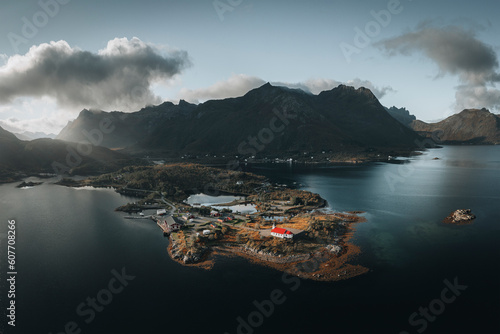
{"x":161,"y":212}
{"x":281,"y":233}
{"x":188,"y":216}
{"x":206,"y":232}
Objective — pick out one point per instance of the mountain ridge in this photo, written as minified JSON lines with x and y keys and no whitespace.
{"x":343,"y":118}
{"x":402,"y":115}
{"x":470,"y":126}
{"x":47,"y":155}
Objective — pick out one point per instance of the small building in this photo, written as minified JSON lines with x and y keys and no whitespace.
{"x":172,"y":224}
{"x":221,"y":220}
{"x":161,"y":212}
{"x":174,"y":227}
{"x":281,"y":233}
{"x":206,"y":232}
{"x":215,"y":213}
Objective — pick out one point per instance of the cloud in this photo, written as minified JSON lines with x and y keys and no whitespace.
{"x":35,"y":114}
{"x":469,"y":97}
{"x":236,"y":85}
{"x":316,"y":86}
{"x":117,"y":77}
{"x":456,"y":52}
{"x":240,"y":84}
{"x":40,"y":124}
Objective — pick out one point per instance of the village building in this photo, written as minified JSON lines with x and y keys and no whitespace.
{"x":172,"y":224}
{"x":281,"y":233}
{"x":161,"y":212}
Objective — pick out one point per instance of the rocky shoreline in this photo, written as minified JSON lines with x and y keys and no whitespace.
{"x":329,"y":262}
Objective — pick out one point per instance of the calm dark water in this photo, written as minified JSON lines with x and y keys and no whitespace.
{"x":69,"y":241}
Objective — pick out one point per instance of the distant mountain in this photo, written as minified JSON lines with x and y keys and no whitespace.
{"x":22,"y":137}
{"x":11,"y":150}
{"x":27,"y":135}
{"x":402,"y":115}
{"x":7,"y":136}
{"x":471,"y":126}
{"x":40,"y":155}
{"x":266,"y":120}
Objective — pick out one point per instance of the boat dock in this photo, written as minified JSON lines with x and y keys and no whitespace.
{"x":163,"y":226}
{"x":138,"y":217}
{"x":161,"y":223}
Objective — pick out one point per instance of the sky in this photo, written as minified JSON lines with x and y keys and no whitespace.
{"x":57,"y":57}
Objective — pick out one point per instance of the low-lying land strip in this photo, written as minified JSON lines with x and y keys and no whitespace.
{"x":285,"y":229}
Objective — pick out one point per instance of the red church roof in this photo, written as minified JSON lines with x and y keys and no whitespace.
{"x":280,"y":230}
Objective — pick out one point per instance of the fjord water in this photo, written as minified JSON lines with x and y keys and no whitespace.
{"x":69,"y":241}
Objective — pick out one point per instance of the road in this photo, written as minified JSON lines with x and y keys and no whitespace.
{"x":168,"y":203}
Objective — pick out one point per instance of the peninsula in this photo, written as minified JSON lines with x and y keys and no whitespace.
{"x":272,"y":225}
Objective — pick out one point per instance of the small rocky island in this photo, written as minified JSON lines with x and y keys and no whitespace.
{"x":288,"y":229}
{"x":28,"y":184}
{"x":460,"y":217}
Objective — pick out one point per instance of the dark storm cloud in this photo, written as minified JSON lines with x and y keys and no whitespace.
{"x":119,"y":76}
{"x":457,"y":52}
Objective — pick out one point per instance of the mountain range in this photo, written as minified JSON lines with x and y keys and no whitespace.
{"x":27,"y":135}
{"x":49,"y":156}
{"x":265,"y":121}
{"x":471,"y":126}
